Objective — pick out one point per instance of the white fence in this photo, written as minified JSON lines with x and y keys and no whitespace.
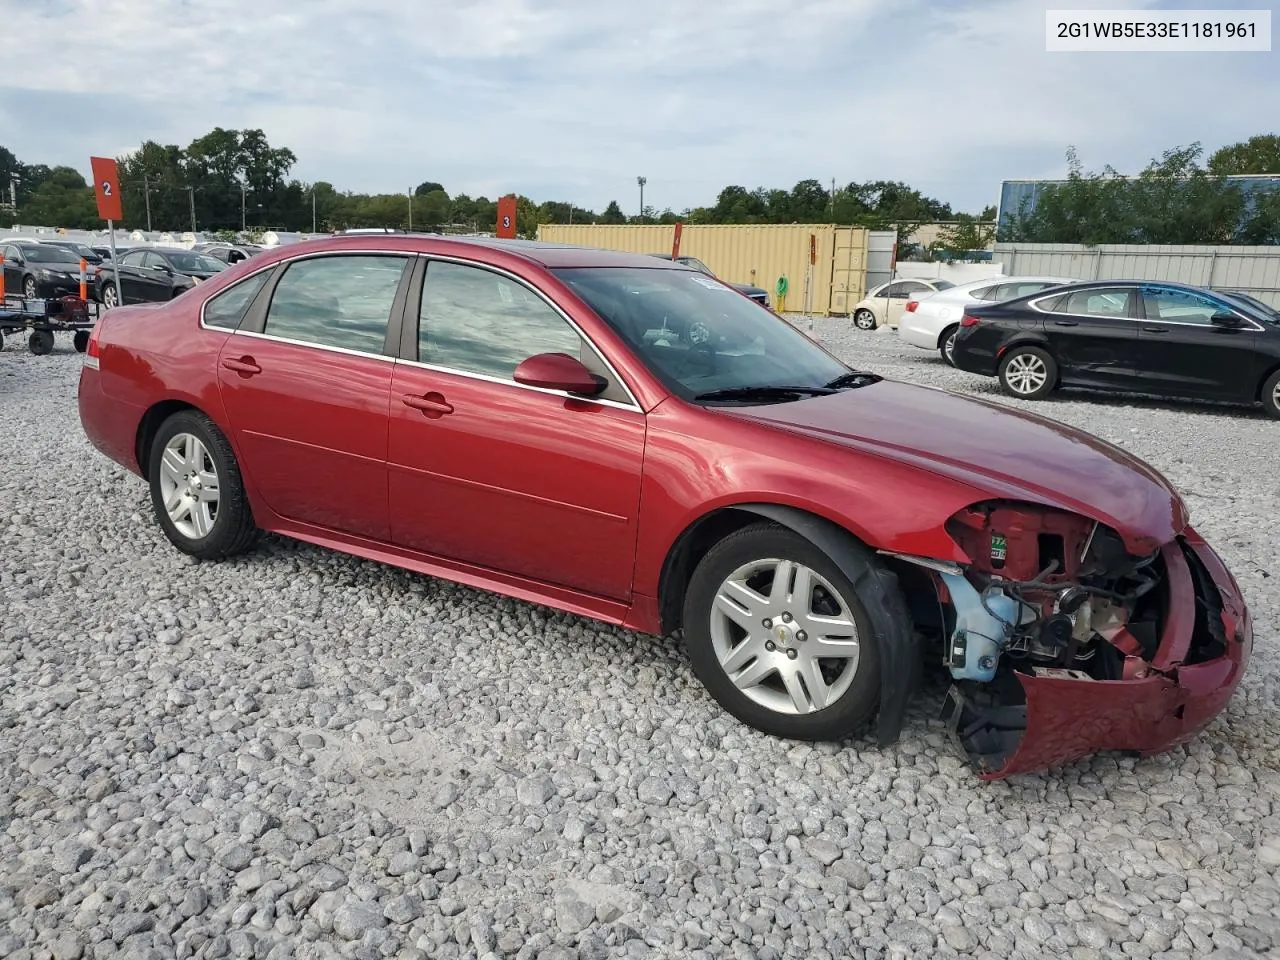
{"x":1253,"y":270}
{"x":955,"y":272}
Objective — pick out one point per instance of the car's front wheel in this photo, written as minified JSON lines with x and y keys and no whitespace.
{"x":196,"y":488}
{"x":109,"y":297}
{"x":864,"y":320}
{"x":29,"y":288}
{"x":947,"y":344}
{"x":1028,"y":373}
{"x":1271,"y":395}
{"x":780,"y":637}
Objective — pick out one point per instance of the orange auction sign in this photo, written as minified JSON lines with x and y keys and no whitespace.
{"x":106,"y":186}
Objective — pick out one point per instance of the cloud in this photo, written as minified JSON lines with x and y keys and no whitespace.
{"x":572,"y":99}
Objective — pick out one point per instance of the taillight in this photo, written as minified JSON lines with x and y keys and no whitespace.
{"x":911,"y":305}
{"x":969,"y":321}
{"x":93,"y":349}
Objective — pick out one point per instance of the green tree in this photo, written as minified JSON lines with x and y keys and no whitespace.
{"x":613,"y":213}
{"x":427,"y":186}
{"x":1257,"y":155}
{"x":62,"y":200}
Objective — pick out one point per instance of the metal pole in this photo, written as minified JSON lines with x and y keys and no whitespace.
{"x":242,"y":224}
{"x":411,"y":210}
{"x":191,"y":193}
{"x":313,"y":210}
{"x":115,"y":264}
{"x":146,"y":193}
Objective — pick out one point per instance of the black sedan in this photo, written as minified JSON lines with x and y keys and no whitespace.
{"x":81,"y":250}
{"x":152,"y":274}
{"x":34,"y":270}
{"x":1130,"y":336}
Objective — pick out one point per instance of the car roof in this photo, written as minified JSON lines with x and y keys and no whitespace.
{"x":542,"y":253}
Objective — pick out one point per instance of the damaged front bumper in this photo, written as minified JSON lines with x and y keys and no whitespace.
{"x":1159,"y":701}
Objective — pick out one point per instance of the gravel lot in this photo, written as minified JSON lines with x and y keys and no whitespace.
{"x":303,"y":754}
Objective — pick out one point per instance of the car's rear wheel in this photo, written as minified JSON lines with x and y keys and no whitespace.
{"x":1271,"y":395}
{"x":947,"y":343}
{"x":29,"y":288}
{"x":109,"y":298}
{"x":81,"y":341}
{"x":864,"y":320}
{"x":780,"y":637}
{"x":1028,"y":373}
{"x":196,"y":488}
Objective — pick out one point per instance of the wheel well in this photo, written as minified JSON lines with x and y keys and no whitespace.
{"x":150,"y":426}
{"x":687,"y":552}
{"x":1262,"y":382}
{"x":945,"y":330}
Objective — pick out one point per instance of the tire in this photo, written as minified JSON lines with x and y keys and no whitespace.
{"x":29,"y":288}
{"x":109,"y":298}
{"x":1028,"y":373}
{"x":81,"y":341}
{"x":947,"y":342}
{"x":718,"y":645}
{"x":197,"y":527}
{"x":864,"y":320}
{"x":1271,"y":395}
{"x":41,"y":342}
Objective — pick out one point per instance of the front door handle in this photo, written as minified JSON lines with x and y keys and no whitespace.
{"x":433,"y":404}
{"x":1066,"y":323}
{"x":245,"y":366}
{"x":1151,"y":329}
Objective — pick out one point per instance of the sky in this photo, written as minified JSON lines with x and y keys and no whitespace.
{"x":574,"y":99}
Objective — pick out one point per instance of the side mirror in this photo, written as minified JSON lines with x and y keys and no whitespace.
{"x":558,"y":371}
{"x":1225,"y":318}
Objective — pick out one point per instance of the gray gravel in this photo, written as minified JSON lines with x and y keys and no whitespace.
{"x":302,"y":754}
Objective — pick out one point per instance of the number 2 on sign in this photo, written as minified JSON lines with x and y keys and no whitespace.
{"x":106,"y":188}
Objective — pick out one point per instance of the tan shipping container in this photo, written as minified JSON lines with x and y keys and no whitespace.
{"x":757,"y":254}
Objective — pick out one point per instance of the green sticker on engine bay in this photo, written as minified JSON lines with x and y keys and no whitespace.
{"x":998,"y":546}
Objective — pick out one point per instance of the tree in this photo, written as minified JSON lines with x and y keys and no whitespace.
{"x":432,"y":209}
{"x":62,"y":200}
{"x":427,"y":186}
{"x":613,"y":213}
{"x":966,"y":233}
{"x":1260,"y":155}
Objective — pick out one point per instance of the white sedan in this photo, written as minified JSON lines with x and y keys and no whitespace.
{"x":930,"y":321}
{"x":885,"y":304}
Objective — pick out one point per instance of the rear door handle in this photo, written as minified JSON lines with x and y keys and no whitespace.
{"x":244,"y":365}
{"x":1066,"y":323}
{"x":432,"y":403}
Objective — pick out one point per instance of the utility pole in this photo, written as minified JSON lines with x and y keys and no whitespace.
{"x":313,"y":209}
{"x":191,"y":194}
{"x":13,"y":191}
{"x":833,"y":199}
{"x":146,"y":193}
{"x":642,"y":181}
{"x":411,"y":209}
{"x":242,"y":223}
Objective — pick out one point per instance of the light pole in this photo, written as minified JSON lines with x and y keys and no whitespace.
{"x":242,"y":223}
{"x":642,"y":181}
{"x":13,"y":191}
{"x":191,"y":194}
{"x":313,"y":209}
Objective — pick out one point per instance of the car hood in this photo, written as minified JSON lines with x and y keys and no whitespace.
{"x":1002,"y":452}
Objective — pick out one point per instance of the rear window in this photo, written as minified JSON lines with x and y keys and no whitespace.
{"x":228,"y":308}
{"x":943,"y":284}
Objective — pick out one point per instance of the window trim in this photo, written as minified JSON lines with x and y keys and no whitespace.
{"x":1142,"y":298}
{"x":1130,"y":289}
{"x":413,"y":317}
{"x":236,"y":283}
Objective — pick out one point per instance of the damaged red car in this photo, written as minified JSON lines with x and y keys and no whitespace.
{"x":631,"y":440}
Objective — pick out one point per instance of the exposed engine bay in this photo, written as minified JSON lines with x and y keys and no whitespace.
{"x":1054,"y":596}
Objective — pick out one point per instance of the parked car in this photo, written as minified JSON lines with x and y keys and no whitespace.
{"x":931,"y":321}
{"x":229,"y":253}
{"x":81,"y":250}
{"x":755,"y":293}
{"x":150,"y":274}
{"x":33,"y":269}
{"x":614,"y":436}
{"x":884,"y":304}
{"x":1130,"y":336}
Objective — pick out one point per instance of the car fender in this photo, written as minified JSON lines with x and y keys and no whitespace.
{"x":1027,"y":338}
{"x":895,"y":639}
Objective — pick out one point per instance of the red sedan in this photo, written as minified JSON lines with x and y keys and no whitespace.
{"x":630,"y":440}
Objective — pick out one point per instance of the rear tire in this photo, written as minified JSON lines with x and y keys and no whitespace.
{"x":1028,"y":373}
{"x":774,"y":678}
{"x":1271,"y":395}
{"x":947,"y":343}
{"x":864,"y":320}
{"x":81,"y":341}
{"x":196,"y":488}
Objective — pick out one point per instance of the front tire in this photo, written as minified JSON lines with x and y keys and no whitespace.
{"x":1028,"y":373}
{"x":780,"y":637}
{"x":197,"y":490}
{"x":947,"y":344}
{"x":29,"y":288}
{"x":109,"y":297}
{"x":1271,"y":395}
{"x":864,"y":320}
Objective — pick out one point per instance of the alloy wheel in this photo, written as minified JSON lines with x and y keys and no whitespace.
{"x":1026,"y":373}
{"x":864,"y":320}
{"x":109,"y":296}
{"x":949,"y":348}
{"x":189,"y":485}
{"x":784,"y":636}
{"x":29,"y":288}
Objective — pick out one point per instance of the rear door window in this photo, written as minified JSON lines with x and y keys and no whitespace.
{"x":336,"y":301}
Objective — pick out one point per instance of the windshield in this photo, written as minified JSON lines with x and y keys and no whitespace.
{"x":195,"y":262}
{"x":698,"y":335}
{"x":47,"y":253}
{"x":943,"y":284}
